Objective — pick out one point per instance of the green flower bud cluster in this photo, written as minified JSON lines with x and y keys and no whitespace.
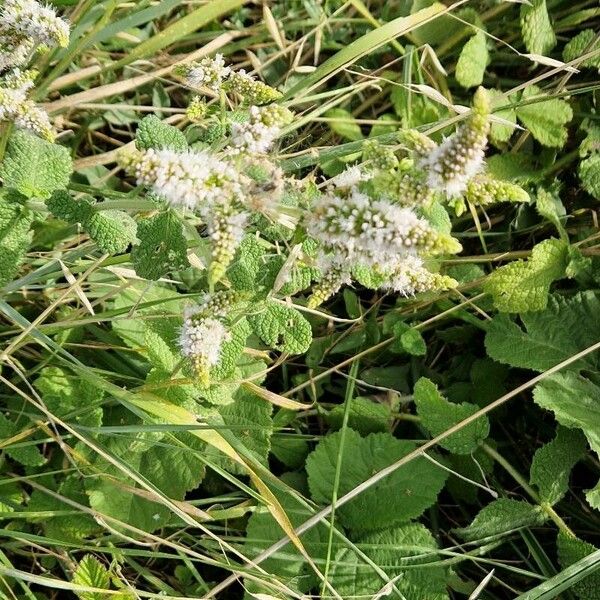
{"x":250,"y":89}
{"x":379,"y":157}
{"x":197,"y":110}
{"x":483,"y":191}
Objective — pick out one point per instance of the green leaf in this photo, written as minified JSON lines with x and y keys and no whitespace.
{"x":249,"y":420}
{"x":153,"y":133}
{"x":472,"y":61}
{"x":501,"y":516}
{"x":401,"y":553}
{"x":247,"y":264}
{"x":26,"y":455}
{"x":589,"y":173}
{"x":581,"y":44}
{"x":399,"y":497}
{"x":546,"y":118}
{"x":552,"y":464}
{"x":231,"y":351}
{"x":35,"y":167}
{"x":282,"y":328}
{"x":70,"y":527}
{"x":91,"y":573}
{"x":287,"y":563}
{"x":536,"y":28}
{"x":575,"y":402}
{"x":438,"y":415}
{"x":63,"y":206}
{"x":499,"y":132}
{"x":162,"y":248}
{"x":15,"y":235}
{"x":523,"y":286}
{"x":113,"y":231}
{"x":564,"y":328}
{"x":572,"y":550}
{"x":408,"y":339}
{"x":551,"y":208}
{"x":344,"y":124}
{"x":365,"y":416}
{"x":166,"y":462}
{"x":70,"y":398}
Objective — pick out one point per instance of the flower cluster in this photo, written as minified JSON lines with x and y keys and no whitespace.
{"x":373,"y":233}
{"x":194,"y":180}
{"x":208,"y":72}
{"x":16,"y":107}
{"x":460,"y":157}
{"x":201,"y":340}
{"x":411,"y":277}
{"x":26,"y":25}
{"x":258,"y":134}
{"x":212,"y":73}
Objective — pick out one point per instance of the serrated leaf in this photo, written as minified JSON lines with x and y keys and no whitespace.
{"x":398,"y":551}
{"x":572,"y":550}
{"x":26,"y":455}
{"x":564,"y":328}
{"x":287,"y":563}
{"x":501,"y":132}
{"x":472,"y":61}
{"x":247,"y":264}
{"x":162,"y":248}
{"x":168,"y":463}
{"x":575,"y":402}
{"x":112,"y":230}
{"x":282,"y":328}
{"x":70,"y":398}
{"x":231,"y":351}
{"x":500,"y":516}
{"x":153,"y":133}
{"x":35,"y":167}
{"x":438,"y":415}
{"x":581,"y":44}
{"x":552,"y":464}
{"x":15,"y":236}
{"x":551,"y":208}
{"x":545,"y":117}
{"x":589,"y":173}
{"x":536,"y":28}
{"x":91,"y":573}
{"x":523,"y":286}
{"x":408,"y":339}
{"x":344,"y":124}
{"x":249,"y":420}
{"x":401,"y":496}
{"x":365,"y":416}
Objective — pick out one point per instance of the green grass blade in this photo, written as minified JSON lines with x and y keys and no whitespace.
{"x":362,"y":46}
{"x":565,"y":579}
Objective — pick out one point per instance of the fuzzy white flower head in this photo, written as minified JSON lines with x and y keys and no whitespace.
{"x":257,"y":135}
{"x":192,"y":180}
{"x":460,"y":157}
{"x":31,"y":20}
{"x":349,"y":178}
{"x":24,"y":113}
{"x":208,"y":72}
{"x":14,"y":51}
{"x":202,"y":338}
{"x":370,"y":232}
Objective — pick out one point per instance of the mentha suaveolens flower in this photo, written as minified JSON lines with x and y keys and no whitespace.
{"x":410,"y":277}
{"x":25,"y":25}
{"x":207,"y":72}
{"x":193,"y":180}
{"x":16,"y":107}
{"x":258,"y":134}
{"x":373,"y":233}
{"x":201,"y":340}
{"x":452,"y":164}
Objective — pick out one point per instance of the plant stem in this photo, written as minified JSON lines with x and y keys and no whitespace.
{"x":552,"y":514}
